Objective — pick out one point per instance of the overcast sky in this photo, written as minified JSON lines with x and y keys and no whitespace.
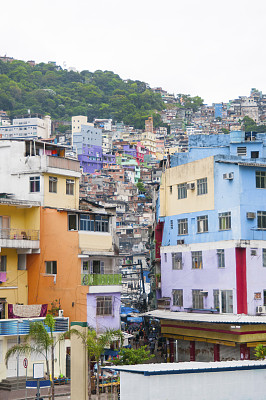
{"x":214,"y":49}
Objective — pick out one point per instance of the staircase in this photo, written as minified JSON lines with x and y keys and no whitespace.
{"x":13,"y":384}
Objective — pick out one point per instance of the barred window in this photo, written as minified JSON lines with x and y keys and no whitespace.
{"x":104,"y":305}
{"x":196,"y":259}
{"x":52,"y":184}
{"x":202,"y":223}
{"x":261,"y":219}
{"x":202,"y":187}
{"x":183,"y":226}
{"x":177,"y":297}
{"x":182,"y":191}
{"x":261,"y":179}
{"x":176,"y":260}
{"x":197,"y":299}
{"x":3,"y":263}
{"x":216,"y":299}
{"x":224,"y":221}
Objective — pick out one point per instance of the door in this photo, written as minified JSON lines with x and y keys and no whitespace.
{"x":14,"y":361}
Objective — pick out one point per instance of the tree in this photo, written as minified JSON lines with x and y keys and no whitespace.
{"x":95,"y":344}
{"x":260,"y":352}
{"x":140,"y":186}
{"x":133,"y":356}
{"x":39,"y":341}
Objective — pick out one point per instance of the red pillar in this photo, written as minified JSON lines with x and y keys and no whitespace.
{"x":192,"y":351}
{"x":216,"y":352}
{"x":241,"y":281}
{"x":172,"y":350}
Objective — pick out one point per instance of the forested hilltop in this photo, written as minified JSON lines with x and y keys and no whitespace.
{"x":49,"y":89}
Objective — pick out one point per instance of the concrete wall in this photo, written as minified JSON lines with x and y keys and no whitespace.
{"x":101,"y":323}
{"x":222,"y":385}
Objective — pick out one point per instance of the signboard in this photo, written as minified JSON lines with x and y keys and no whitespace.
{"x":38,"y":370}
{"x":25,"y":363}
{"x":33,"y":384}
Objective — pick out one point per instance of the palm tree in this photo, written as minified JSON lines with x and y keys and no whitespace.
{"x":41,"y":342}
{"x":95,"y":345}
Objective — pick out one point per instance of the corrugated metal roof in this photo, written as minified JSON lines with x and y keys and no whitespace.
{"x":238,"y":319}
{"x":189,"y":367}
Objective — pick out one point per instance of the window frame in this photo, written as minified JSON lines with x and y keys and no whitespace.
{"x":220,"y":258}
{"x":197,"y":299}
{"x":182,"y":191}
{"x":70,"y":185}
{"x":177,"y":296}
{"x":261,"y":217}
{"x":264,"y":257}
{"x":225,"y":219}
{"x":51,"y":267}
{"x":202,"y":186}
{"x":197,"y":261}
{"x":53,"y":180}
{"x":177,"y":261}
{"x":182,"y":226}
{"x":3,"y":264}
{"x":104,"y":305}
{"x":35,"y":184}
{"x":260,"y":179}
{"x":204,"y":219}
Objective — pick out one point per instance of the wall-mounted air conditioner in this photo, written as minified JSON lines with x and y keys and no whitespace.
{"x":251,"y":215}
{"x":261,"y":309}
{"x":191,"y":186}
{"x":228,"y":175}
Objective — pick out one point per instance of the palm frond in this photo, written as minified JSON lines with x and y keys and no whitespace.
{"x":19,"y":349}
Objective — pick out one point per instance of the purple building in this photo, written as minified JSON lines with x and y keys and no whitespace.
{"x":92,"y":158}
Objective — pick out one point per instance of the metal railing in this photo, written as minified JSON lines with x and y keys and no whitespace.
{"x":16,"y":327}
{"x":101,"y":279}
{"x":19,"y":234}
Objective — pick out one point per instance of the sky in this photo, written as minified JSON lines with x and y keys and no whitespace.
{"x":213,"y":49}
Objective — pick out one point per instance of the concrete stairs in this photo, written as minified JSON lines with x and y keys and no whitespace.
{"x":10,"y":384}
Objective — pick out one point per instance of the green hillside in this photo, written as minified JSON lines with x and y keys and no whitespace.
{"x":49,"y":89}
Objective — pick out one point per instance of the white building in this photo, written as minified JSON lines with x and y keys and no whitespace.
{"x":27,"y":128}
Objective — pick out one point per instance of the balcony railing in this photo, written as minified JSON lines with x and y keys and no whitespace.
{"x":101,"y":279}
{"x":19,"y":234}
{"x":9,"y":327}
{"x":63,"y":163}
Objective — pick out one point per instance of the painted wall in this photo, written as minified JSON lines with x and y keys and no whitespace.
{"x":97,"y":241}
{"x":237,"y":385}
{"x":61,"y":199}
{"x":58,"y":244}
{"x":101,"y":323}
{"x":208,"y":278}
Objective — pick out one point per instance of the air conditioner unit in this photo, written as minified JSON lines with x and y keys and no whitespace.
{"x":253,"y":252}
{"x":251,"y":215}
{"x":229,"y":175}
{"x":181,"y":241}
{"x":191,"y":186}
{"x":261,"y":309}
{"x":60,"y":313}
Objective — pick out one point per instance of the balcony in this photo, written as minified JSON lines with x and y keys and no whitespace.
{"x":18,"y":238}
{"x":63,"y":163}
{"x":101,"y":279}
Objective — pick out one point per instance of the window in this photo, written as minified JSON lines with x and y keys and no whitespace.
{"x":177,"y":297}
{"x":165,"y":257}
{"x":202,"y":186}
{"x":264,"y":297}
{"x":182,"y":191}
{"x":227,"y":301}
{"x":72,"y":222}
{"x":264,"y":257}
{"x":22,"y":262}
{"x":261,"y":219}
{"x":255,"y":154}
{"x":104,"y":305}
{"x":196,"y":259}
{"x":176,"y":260}
{"x":171,"y":189}
{"x":3,"y":263}
{"x":51,"y":267}
{"x":224,"y":221}
{"x":197,"y":299}
{"x":183,"y":226}
{"x":52,"y":184}
{"x":4,"y":227}
{"x":202,"y":224}
{"x":220,"y":258}
{"x":261,"y":179}
{"x":70,"y":186}
{"x":171,"y":224}
{"x":216,"y":299}
{"x":241,"y":151}
{"x":85,"y":267}
{"x":34,"y":184}
{"x":94,"y":223}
